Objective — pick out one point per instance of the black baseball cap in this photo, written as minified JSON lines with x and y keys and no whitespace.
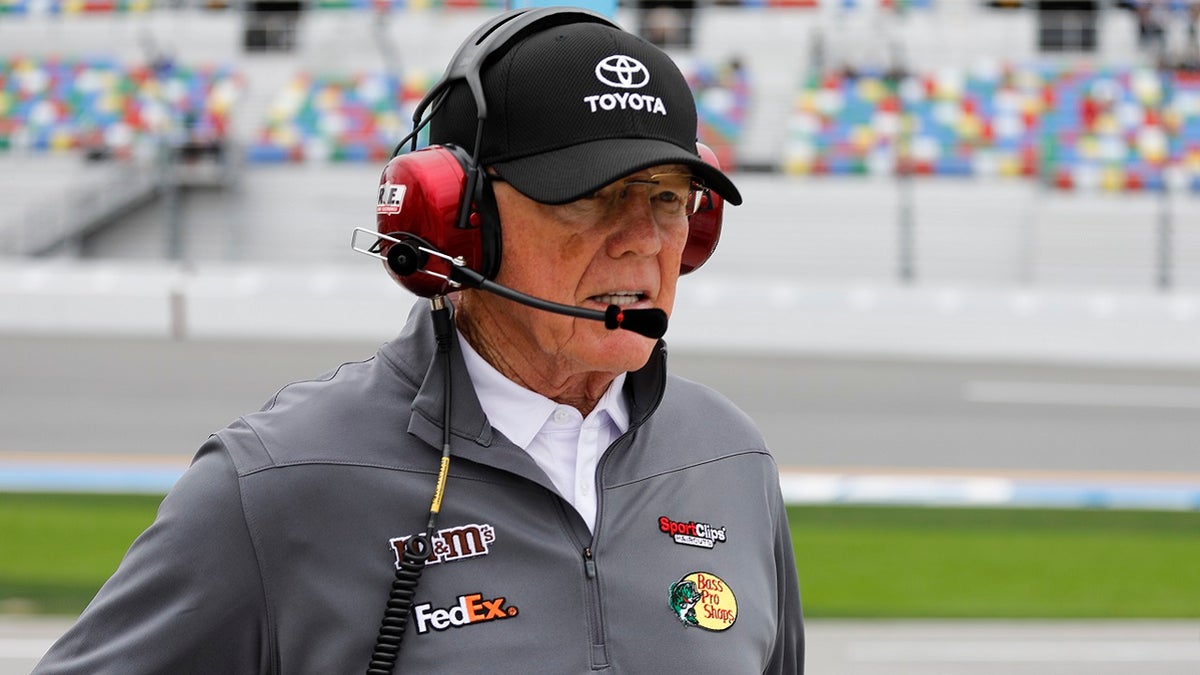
{"x":575,"y":107}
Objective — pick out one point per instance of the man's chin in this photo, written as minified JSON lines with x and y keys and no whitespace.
{"x":624,"y":351}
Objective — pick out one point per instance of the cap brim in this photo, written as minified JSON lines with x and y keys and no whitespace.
{"x":567,"y":174}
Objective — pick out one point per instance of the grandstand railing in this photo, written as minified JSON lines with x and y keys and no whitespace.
{"x":48,"y":224}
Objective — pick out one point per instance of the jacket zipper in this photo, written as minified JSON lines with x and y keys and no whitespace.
{"x":599,"y":651}
{"x":599,"y":644}
{"x":599,"y":648}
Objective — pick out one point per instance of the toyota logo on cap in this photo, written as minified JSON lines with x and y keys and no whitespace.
{"x":623,"y":72}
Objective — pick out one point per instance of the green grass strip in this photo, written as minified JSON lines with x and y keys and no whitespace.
{"x":56,"y":550}
{"x":854,"y":561}
{"x":935,"y":562}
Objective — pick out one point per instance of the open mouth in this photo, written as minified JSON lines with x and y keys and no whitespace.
{"x":619,"y":298}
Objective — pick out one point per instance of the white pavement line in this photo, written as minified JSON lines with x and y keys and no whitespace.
{"x":1116,"y":491}
{"x":1025,"y":651}
{"x":826,"y":488}
{"x":1070,"y":393}
{"x":24,"y":648}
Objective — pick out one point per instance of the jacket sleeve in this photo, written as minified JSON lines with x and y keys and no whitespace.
{"x":187,"y":597}
{"x":788,"y":656}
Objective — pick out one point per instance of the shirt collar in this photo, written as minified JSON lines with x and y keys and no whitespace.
{"x":520,"y":413}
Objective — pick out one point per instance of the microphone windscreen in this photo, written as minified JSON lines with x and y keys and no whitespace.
{"x":649,"y":322}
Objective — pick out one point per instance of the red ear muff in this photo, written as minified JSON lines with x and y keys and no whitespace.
{"x":704,"y":226}
{"x":420,"y":194}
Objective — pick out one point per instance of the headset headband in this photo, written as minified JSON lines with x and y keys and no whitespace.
{"x":467,"y":63}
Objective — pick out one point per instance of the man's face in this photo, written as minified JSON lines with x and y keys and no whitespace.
{"x":621,"y":247}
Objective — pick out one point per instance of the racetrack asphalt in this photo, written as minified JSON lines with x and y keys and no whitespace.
{"x":94,"y":413}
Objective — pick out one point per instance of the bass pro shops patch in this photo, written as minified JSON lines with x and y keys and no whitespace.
{"x":703,"y":600}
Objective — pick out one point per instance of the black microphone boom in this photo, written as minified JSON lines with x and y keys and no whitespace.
{"x":651,"y":323}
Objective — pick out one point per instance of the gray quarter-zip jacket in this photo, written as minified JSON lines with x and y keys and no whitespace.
{"x":275,"y":551}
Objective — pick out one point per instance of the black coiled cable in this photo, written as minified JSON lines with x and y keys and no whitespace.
{"x":418,"y":548}
{"x":400,"y":602}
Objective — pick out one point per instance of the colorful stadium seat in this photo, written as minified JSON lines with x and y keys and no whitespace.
{"x":1111,"y":129}
{"x":351,"y":118}
{"x":99,"y":103}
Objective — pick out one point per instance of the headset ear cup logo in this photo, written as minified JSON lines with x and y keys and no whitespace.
{"x":391,"y":198}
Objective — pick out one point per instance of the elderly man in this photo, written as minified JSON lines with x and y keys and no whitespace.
{"x":591,"y":513}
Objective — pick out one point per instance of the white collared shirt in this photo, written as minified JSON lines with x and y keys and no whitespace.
{"x":564,"y":443}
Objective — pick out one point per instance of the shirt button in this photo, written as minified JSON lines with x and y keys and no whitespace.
{"x":585,"y":489}
{"x":562,"y":416}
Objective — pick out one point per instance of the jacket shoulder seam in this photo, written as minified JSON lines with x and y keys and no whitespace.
{"x":684,"y":467}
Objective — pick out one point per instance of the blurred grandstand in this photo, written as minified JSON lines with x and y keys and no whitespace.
{"x":977,"y":144}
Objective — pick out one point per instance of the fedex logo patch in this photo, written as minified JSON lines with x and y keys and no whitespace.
{"x":471,"y":609}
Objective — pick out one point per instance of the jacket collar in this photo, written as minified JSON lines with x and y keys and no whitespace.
{"x":414,"y":355}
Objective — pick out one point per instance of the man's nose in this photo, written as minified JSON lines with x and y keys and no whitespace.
{"x":636,"y":230}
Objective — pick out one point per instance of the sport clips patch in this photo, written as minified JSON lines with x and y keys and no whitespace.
{"x":692,"y":533}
